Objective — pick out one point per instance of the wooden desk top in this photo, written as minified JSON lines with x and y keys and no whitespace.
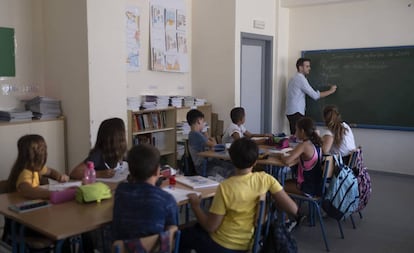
{"x":71,"y":218}
{"x":273,"y":159}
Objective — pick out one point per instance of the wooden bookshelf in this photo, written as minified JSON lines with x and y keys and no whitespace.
{"x":156,"y":127}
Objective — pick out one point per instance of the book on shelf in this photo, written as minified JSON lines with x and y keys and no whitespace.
{"x":197,"y":182}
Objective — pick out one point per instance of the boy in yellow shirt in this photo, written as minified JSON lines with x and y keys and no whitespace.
{"x":229,"y":225}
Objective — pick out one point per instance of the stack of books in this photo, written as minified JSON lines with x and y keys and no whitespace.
{"x":177,"y":102}
{"x":44,"y":107}
{"x":133,"y":103}
{"x":200,"y":101}
{"x":15,"y":115}
{"x":163,"y":101}
{"x":189,"y":101}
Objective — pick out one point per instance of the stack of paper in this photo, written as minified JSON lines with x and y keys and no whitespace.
{"x":133,"y":103}
{"x":177,"y":102}
{"x":44,"y":107}
{"x":15,"y":115}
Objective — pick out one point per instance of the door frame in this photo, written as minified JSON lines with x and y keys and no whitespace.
{"x":267,"y":77}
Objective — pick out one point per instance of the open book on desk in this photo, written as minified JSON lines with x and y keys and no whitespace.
{"x":197,"y":182}
{"x":284,"y":151}
{"x":179,"y":194}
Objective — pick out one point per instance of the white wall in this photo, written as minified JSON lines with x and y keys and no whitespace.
{"x":25,"y":17}
{"x":66,"y":70}
{"x":371,"y":23}
{"x":213,"y":56}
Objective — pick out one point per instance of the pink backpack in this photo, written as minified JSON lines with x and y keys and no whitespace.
{"x":364,"y":180}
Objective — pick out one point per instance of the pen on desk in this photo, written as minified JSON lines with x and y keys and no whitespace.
{"x":107,"y":166}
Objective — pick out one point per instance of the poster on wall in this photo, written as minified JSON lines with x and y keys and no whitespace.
{"x":133,"y":42}
{"x":168,"y":36}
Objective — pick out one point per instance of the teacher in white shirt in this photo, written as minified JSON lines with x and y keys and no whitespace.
{"x":298,"y":87}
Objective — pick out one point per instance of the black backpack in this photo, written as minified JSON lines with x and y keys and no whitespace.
{"x":279,"y":240}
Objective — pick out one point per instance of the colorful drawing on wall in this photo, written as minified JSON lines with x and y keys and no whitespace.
{"x":168,"y":40}
{"x":157,"y":17}
{"x":133,"y":41}
{"x":170,"y":19}
{"x":182,"y":42}
{"x":181,"y":20}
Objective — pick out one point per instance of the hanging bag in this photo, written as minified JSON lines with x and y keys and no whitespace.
{"x":342,"y":197}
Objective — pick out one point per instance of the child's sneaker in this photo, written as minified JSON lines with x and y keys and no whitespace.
{"x":290,"y":224}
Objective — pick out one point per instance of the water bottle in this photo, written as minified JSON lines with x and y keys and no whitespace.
{"x":89,"y":176}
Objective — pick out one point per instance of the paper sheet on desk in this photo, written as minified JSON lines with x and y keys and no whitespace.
{"x":281,"y":151}
{"x":56,"y":186}
{"x":121,"y":174}
{"x":179,"y":194}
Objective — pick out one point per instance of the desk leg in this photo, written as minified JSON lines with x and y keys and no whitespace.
{"x":21,"y":235}
{"x":204,"y":170}
{"x":14,"y":236}
{"x":59,"y":244}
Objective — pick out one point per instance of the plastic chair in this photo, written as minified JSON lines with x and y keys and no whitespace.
{"x":259,"y":221}
{"x":150,"y":242}
{"x":315,"y":203}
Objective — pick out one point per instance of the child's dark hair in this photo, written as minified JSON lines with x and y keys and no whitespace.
{"x":143,"y":162}
{"x":193,"y":115}
{"x":32,"y":155}
{"x":300,"y":62}
{"x":111,"y":141}
{"x":243,"y":153}
{"x":307,"y":125}
{"x":237,"y":114}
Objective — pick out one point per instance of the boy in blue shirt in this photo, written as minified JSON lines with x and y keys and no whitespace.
{"x":140,"y":207}
{"x":198,"y":142}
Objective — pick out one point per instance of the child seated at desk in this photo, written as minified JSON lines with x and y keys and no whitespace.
{"x":25,"y":175}
{"x":228,"y":227}
{"x":236,"y":129}
{"x":309,"y":153}
{"x":198,"y":142}
{"x":108,"y":152}
{"x":141,"y":208}
{"x":337,"y":137}
{"x":30,"y":166}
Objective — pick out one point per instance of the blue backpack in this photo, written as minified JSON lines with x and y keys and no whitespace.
{"x":342,"y":197}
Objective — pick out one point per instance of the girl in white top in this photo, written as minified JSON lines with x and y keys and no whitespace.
{"x":338,"y":136}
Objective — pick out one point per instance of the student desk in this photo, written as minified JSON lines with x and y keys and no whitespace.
{"x":68,"y":219}
{"x":273,"y":164}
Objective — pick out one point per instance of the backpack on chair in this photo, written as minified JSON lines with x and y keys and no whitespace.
{"x":364,"y":180}
{"x":342,"y":197}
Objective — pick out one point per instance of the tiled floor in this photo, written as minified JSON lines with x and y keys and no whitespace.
{"x":387,"y":226}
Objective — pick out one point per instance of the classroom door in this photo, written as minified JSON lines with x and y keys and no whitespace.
{"x":256,"y":81}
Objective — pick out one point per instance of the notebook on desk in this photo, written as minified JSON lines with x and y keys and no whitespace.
{"x":30,"y":205}
{"x":197,"y":182}
{"x":179,"y":194}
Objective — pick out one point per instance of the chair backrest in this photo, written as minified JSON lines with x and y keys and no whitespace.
{"x":328,"y":169}
{"x":150,"y":242}
{"x":354,"y":159}
{"x":260,"y":218}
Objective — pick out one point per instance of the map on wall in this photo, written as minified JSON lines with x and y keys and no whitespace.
{"x":168,"y":36}
{"x":133,"y":42}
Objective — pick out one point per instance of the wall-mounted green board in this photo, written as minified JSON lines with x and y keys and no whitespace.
{"x":375,"y":85}
{"x":7,"y":59}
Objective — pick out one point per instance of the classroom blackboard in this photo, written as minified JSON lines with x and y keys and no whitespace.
{"x":7,"y":61}
{"x":375,"y":85}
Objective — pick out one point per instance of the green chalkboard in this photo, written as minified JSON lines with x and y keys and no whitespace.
{"x":7,"y":60}
{"x":375,"y":85}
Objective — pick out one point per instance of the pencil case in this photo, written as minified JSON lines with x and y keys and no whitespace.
{"x":57,"y":197}
{"x":93,"y":192}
